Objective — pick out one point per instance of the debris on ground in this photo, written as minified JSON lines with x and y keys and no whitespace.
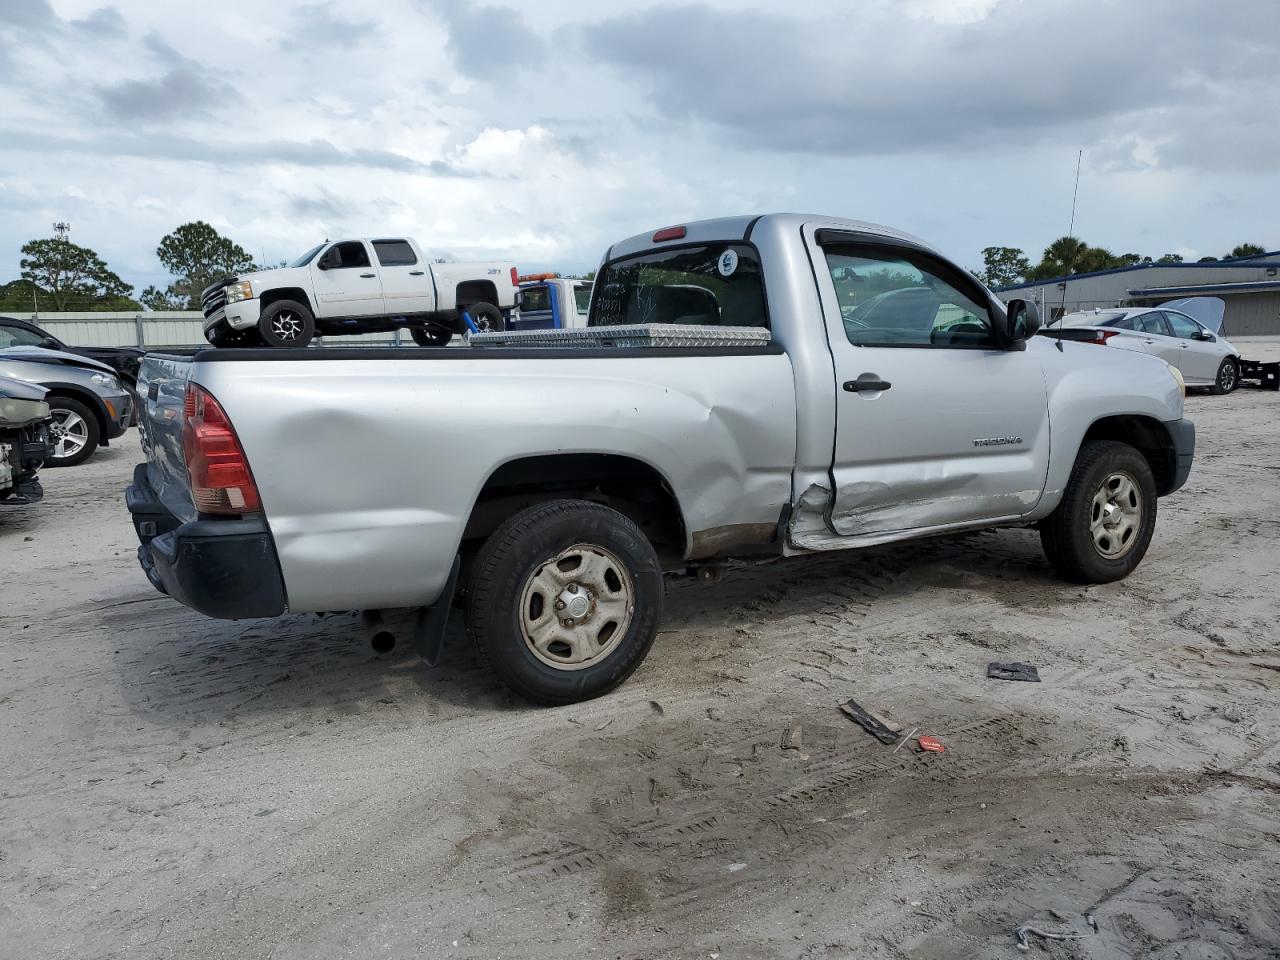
{"x":906,"y":739}
{"x":1026,"y":930}
{"x":930,"y":744}
{"x":878,"y":727}
{"x":656,"y":707}
{"x":1013,"y":671}
{"x":792,"y":737}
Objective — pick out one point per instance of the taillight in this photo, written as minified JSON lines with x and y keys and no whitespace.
{"x":669,"y":233}
{"x":221,"y":482}
{"x":515,"y":277}
{"x":1102,"y":336}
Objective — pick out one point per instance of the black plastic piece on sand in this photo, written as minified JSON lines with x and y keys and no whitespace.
{"x":1013,"y":671}
{"x":869,"y":722}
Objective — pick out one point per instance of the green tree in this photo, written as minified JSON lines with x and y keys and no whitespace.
{"x":1246,"y":250}
{"x":67,"y":276}
{"x":1172,"y":258}
{"x":1003,"y":266}
{"x":196,"y":254}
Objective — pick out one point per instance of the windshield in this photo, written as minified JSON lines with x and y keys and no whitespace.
{"x":715,"y":284}
{"x":1089,"y":319}
{"x":307,"y":257}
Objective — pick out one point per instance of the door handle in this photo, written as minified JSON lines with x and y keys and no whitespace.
{"x":415,"y":273}
{"x":865,"y":384}
{"x":368,"y":276}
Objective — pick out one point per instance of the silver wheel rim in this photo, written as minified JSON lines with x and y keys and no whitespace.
{"x":576,"y":606}
{"x":1115,"y":515}
{"x":69,"y":434}
{"x":286,"y":325}
{"x":1227,"y":378}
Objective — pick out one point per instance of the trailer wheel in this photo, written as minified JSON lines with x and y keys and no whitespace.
{"x":564,"y":600}
{"x":1102,"y":528}
{"x":286,"y":323}
{"x":431,"y":335}
{"x":487,"y":317}
{"x":1228,"y":377}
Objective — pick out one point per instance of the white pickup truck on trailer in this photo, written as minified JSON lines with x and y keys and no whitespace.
{"x":359,"y":286}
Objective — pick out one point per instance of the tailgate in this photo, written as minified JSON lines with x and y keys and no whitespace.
{"x":162,"y":390}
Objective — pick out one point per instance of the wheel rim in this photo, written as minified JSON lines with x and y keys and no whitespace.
{"x":69,"y":434}
{"x":576,"y":606}
{"x":1227,"y":376}
{"x":286,"y":325}
{"x":1115,"y":515}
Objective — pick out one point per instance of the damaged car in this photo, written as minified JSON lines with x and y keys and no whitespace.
{"x":88,"y":403}
{"x":24,"y":440}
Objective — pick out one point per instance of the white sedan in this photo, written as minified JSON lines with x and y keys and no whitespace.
{"x":1186,"y":333}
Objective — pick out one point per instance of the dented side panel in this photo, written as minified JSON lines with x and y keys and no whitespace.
{"x":368,"y":470}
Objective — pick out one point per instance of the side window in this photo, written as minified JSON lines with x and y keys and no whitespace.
{"x":892,"y":298}
{"x":345,"y":256}
{"x":582,"y":296}
{"x":535,"y":299}
{"x":394,"y":253}
{"x":1183,"y":327}
{"x":1123,"y":323}
{"x":18,"y":337}
{"x":1153,"y":323}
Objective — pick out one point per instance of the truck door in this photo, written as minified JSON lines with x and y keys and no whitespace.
{"x":936,"y":425}
{"x":537,"y":307}
{"x":407,"y":288}
{"x":346,"y":282}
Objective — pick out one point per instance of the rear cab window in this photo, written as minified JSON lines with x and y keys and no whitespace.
{"x":582,"y":297}
{"x":705,"y":284}
{"x":394,"y":253}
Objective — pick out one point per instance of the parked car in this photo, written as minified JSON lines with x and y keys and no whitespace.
{"x":89,"y":405}
{"x":23,"y":333}
{"x":1185,"y":333}
{"x":24,"y":440}
{"x":358,"y":286}
{"x":566,"y":479}
{"x":551,"y":302}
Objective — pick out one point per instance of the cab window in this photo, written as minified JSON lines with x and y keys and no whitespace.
{"x":582,"y":297}
{"x":901,"y":299}
{"x":346,"y":256}
{"x":394,"y":253}
{"x":715,"y":284}
{"x":535,"y":299}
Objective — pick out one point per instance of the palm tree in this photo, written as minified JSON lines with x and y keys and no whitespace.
{"x":1065,"y":253}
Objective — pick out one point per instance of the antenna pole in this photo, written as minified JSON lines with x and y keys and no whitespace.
{"x":1075,"y":193}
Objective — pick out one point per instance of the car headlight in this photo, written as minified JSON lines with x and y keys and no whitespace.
{"x":240,"y":290}
{"x":106,"y":380}
{"x":1177,"y":376}
{"x":22,"y":411}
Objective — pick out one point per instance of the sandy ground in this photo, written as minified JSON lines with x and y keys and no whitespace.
{"x":180,"y":787}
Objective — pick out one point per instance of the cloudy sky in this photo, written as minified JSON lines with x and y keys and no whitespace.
{"x":544,"y":131}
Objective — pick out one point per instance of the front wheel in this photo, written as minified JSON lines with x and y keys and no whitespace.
{"x":431,"y":336}
{"x":286,"y":323}
{"x":74,"y":432}
{"x":1228,"y":377}
{"x":1102,"y":528}
{"x":564,"y":600}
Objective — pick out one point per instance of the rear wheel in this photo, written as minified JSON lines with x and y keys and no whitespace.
{"x":286,"y":323}
{"x":431,"y":336}
{"x":487,"y":317}
{"x":564,"y":600}
{"x":1228,"y":377}
{"x":1102,"y":528}
{"x":74,"y":432}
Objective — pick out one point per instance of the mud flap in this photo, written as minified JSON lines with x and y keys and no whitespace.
{"x":430,"y":623}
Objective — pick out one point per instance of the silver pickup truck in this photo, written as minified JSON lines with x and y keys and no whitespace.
{"x":884,"y":395}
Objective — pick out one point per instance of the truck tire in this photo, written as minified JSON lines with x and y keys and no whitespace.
{"x":1103,"y":526}
{"x":286,"y":323}
{"x":1228,"y":377}
{"x":564,"y":600}
{"x":74,"y":432}
{"x":431,"y":336}
{"x":487,"y":317}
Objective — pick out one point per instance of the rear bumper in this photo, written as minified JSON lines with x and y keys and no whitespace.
{"x":222,"y":568}
{"x":1183,"y":435}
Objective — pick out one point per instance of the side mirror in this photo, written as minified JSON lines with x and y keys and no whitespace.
{"x":1203,"y":336}
{"x":1022,"y":320}
{"x":50,"y":344}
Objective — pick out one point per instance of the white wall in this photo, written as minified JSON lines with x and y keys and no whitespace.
{"x":177,"y":328}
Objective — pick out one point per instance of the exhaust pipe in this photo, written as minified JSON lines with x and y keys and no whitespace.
{"x":381,"y":638}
